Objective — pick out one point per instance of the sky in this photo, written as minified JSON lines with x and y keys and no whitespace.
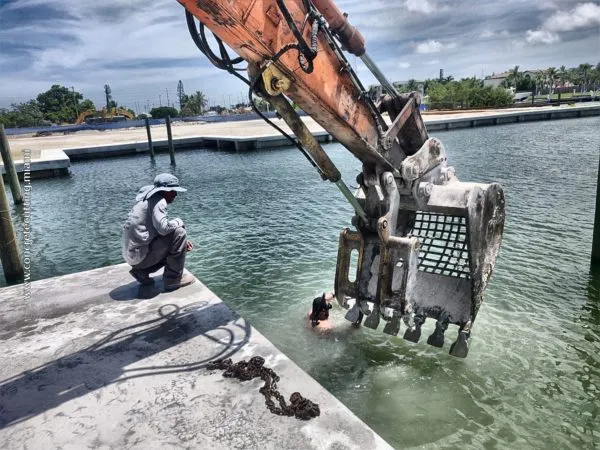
{"x":142,"y":48}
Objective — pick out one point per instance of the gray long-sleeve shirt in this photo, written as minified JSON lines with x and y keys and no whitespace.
{"x":146,"y":220}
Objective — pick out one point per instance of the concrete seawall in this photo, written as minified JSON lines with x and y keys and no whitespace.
{"x":93,"y":360}
{"x":56,"y":152}
{"x":534,"y":115}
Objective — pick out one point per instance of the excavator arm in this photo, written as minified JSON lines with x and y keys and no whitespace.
{"x":426,"y":243}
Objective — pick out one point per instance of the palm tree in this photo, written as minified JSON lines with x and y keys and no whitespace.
{"x":551,"y":78}
{"x":194,"y":104}
{"x":539,"y":81}
{"x":596,"y":72}
{"x":584,"y":70}
{"x":515,"y":76}
{"x":562,"y":73}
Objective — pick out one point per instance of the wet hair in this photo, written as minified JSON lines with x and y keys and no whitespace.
{"x":320,"y":309}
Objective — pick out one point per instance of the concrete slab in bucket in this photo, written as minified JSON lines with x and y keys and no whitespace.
{"x":93,"y":361}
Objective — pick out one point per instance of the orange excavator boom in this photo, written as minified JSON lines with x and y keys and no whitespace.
{"x":426,"y":242}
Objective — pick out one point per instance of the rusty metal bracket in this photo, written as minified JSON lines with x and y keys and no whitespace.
{"x":349,"y":241}
{"x":398,"y":273}
{"x":392,"y":132}
{"x":275,"y":81}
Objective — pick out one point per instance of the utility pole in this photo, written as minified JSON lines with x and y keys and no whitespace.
{"x":168,"y":103}
{"x":107,"y":92}
{"x":160,"y":100}
{"x":180,"y":94}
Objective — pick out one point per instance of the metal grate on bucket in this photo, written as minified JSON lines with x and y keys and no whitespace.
{"x":444,"y":244}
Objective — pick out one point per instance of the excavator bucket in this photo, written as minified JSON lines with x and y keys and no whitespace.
{"x":433,"y":254}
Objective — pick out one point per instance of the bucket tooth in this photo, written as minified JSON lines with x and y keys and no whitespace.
{"x":460,"y":347}
{"x":372,"y":320}
{"x":413,"y":334}
{"x":393,"y":326}
{"x":437,"y":337}
{"x":353,"y":314}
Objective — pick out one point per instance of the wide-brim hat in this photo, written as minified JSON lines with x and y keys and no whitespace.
{"x":165,"y":182}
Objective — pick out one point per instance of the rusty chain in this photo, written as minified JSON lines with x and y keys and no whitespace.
{"x":299,"y":407}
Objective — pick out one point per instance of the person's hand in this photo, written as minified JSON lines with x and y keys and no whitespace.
{"x":189,"y":246}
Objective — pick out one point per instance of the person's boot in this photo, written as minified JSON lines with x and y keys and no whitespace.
{"x":175,"y":283}
{"x":141,"y":277}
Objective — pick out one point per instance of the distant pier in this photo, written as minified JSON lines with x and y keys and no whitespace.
{"x":52,"y":155}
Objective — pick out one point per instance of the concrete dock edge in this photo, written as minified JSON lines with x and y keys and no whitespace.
{"x":94,"y":360}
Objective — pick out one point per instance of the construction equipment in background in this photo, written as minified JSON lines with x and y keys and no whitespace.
{"x":425,"y":244}
{"x":91,"y":116}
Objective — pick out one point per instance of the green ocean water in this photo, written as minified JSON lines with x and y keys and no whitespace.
{"x":266,"y":232}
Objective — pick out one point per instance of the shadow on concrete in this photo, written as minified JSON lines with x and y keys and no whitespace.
{"x":136,"y":291}
{"x":105,"y":362}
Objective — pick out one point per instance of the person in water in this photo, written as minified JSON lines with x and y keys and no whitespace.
{"x":320,"y":308}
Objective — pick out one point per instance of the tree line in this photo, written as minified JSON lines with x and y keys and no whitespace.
{"x":584,"y":77}
{"x":446,"y":92}
{"x":59,"y":105}
{"x":189,"y":105}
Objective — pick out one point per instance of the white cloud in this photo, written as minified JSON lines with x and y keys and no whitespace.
{"x":541,"y":37}
{"x":420,"y":6}
{"x":584,"y":15}
{"x":547,"y":4}
{"x":148,"y":50}
{"x":432,"y":46}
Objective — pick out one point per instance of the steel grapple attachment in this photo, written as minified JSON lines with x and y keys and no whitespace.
{"x":429,"y":255}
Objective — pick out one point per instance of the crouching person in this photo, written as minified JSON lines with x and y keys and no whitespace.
{"x":151,"y":241}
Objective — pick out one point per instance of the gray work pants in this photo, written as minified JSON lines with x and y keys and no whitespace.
{"x":168,"y":251}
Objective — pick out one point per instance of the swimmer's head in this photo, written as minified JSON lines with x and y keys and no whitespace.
{"x":328,"y":296}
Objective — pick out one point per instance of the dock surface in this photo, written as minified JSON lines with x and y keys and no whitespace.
{"x":93,"y":360}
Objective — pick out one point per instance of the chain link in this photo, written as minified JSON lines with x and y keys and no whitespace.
{"x":299,"y":407}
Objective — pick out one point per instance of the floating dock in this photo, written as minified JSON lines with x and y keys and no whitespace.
{"x":94,"y":360}
{"x":56,"y":152}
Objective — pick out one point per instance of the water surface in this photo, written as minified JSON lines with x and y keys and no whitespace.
{"x":266,"y":231}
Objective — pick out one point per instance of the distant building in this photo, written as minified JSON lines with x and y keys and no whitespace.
{"x":495,"y":80}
